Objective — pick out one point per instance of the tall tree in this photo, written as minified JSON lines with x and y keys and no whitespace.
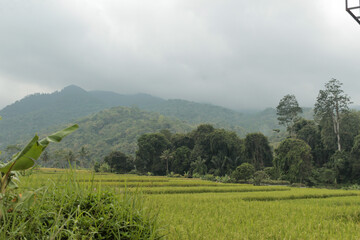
{"x":308,"y":131}
{"x":199,"y":166}
{"x":166,"y":155}
{"x":293,"y":159}
{"x":330,"y":103}
{"x":287,"y":111}
{"x":119,"y":162}
{"x":258,"y":151}
{"x":84,"y":155}
{"x":151,"y":146}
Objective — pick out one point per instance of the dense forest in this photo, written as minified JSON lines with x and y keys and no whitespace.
{"x":112,"y":129}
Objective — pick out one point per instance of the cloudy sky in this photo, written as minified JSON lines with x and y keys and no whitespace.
{"x":240,"y":54}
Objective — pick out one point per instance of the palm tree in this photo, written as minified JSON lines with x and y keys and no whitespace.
{"x":166,"y":156}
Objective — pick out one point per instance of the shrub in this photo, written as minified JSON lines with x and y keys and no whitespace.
{"x":259,"y":177}
{"x":187,"y":174}
{"x":243,"y":172}
{"x":208,"y":177}
{"x":104,"y":167}
{"x":97,"y":167}
{"x":272,"y":173}
{"x":196,"y":175}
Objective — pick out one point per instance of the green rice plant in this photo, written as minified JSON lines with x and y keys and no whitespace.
{"x":236,"y":211}
{"x":228,"y":216}
{"x":198,"y":189}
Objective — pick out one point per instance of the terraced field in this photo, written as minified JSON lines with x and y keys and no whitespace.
{"x":196,"y":209}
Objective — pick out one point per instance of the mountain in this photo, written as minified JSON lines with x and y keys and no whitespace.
{"x":37,"y":112}
{"x":117,"y":128}
{"x":191,"y":112}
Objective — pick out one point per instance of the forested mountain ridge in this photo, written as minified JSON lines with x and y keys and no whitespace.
{"x":36,"y":112}
{"x":117,"y":128}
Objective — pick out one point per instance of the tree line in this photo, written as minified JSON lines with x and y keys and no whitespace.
{"x":325,"y":150}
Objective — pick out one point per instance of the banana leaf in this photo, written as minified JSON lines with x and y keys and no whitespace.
{"x":26,"y":158}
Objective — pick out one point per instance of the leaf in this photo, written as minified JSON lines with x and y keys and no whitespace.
{"x":58,"y":136}
{"x":27,"y":157}
{"x":22,"y":160}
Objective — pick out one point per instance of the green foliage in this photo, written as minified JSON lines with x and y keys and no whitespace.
{"x":199,"y":166}
{"x":355,"y":160}
{"x":323,"y":176}
{"x":350,"y":128}
{"x":330,"y":103}
{"x":203,"y":150}
{"x":287,"y":111}
{"x":119,"y":162}
{"x":68,"y":211}
{"x":258,"y":151}
{"x":151,"y":147}
{"x":43,"y":112}
{"x":308,"y":131}
{"x":180,"y":160}
{"x":97,"y":167}
{"x":104,"y":167}
{"x":26,"y":158}
{"x":272,"y":173}
{"x":293,"y":160}
{"x":117,"y":129}
{"x":340,"y":162}
{"x":259,"y":177}
{"x":208,"y":177}
{"x":243,"y":172}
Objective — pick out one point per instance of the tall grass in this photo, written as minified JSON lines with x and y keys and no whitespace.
{"x":65,"y":209}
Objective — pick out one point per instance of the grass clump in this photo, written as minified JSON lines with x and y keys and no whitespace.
{"x":66,"y":210}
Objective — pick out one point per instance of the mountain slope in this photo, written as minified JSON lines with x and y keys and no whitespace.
{"x":36,"y":112}
{"x":118,"y":128}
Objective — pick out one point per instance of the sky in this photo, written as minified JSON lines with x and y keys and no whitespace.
{"x":240,"y":54}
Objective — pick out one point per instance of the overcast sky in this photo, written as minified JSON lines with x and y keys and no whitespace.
{"x":240,"y":54}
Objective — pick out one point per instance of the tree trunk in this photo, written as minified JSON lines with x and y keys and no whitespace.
{"x":337,"y":118}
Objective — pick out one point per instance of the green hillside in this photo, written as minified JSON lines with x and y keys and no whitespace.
{"x":117,"y":128}
{"x":33,"y":113}
{"x":37,"y":112}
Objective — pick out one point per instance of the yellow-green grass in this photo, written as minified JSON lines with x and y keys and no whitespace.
{"x":227,"y":216}
{"x":208,"y":210}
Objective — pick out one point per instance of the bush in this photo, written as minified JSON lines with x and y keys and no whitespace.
{"x":272,"y":173}
{"x":187,"y":174}
{"x":196,"y":175}
{"x":105,"y":168}
{"x":97,"y":167}
{"x":226,"y":179}
{"x":134,"y":171}
{"x":243,"y":172}
{"x":259,"y":177}
{"x":208,"y":177}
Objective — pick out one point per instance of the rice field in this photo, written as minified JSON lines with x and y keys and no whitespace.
{"x":197,"y":209}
